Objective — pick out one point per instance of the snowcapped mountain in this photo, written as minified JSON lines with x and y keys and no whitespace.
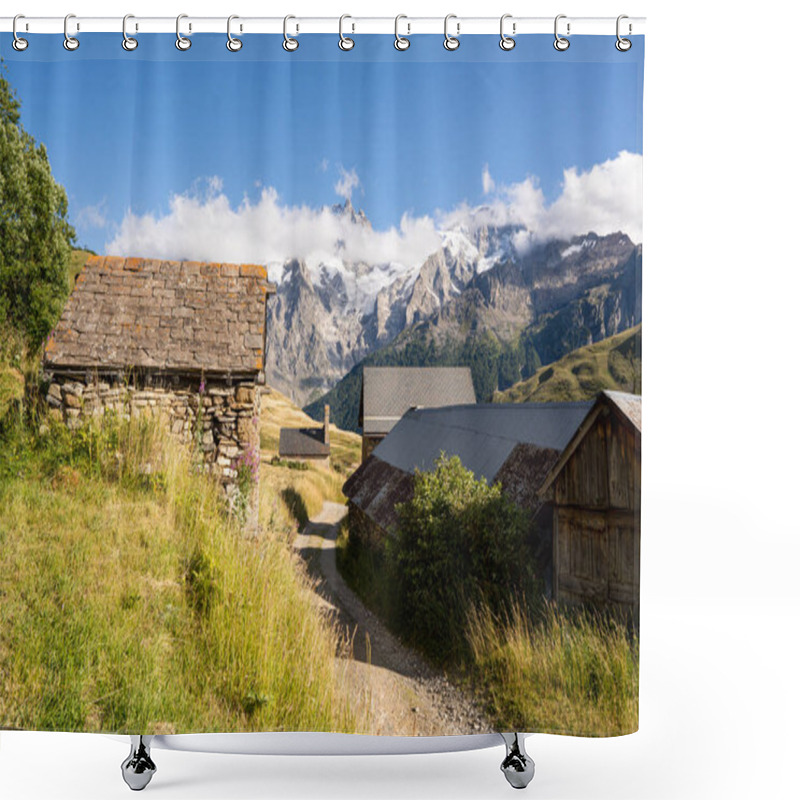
{"x":331,"y":312}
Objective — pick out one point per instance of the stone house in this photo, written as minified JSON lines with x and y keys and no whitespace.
{"x":388,"y":392}
{"x":184,"y":338}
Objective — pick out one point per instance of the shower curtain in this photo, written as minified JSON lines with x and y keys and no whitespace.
{"x":321,"y":375}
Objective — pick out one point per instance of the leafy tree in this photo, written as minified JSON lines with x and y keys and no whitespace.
{"x":35,"y":235}
{"x":460,"y":543}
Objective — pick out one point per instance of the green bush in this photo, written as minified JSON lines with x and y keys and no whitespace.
{"x":460,"y":543}
{"x":35,"y":236}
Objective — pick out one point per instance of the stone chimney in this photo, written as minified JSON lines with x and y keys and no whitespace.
{"x":326,"y":425}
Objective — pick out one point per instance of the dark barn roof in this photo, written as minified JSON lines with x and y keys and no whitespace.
{"x":376,"y":488}
{"x":303,"y":443}
{"x":177,"y":316}
{"x":388,"y":392}
{"x":516,"y":444}
{"x":482,"y":436}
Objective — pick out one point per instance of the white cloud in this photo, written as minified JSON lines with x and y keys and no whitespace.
{"x":204,"y":225}
{"x":323,"y":165}
{"x":348,"y":180}
{"x":92,"y":216}
{"x":604,"y":199}
{"x":486,"y":179}
{"x":264,"y":231}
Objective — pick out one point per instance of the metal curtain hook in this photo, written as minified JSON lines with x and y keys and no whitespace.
{"x":401,"y":42}
{"x":181,"y":42}
{"x":233,"y":44}
{"x":70,"y":42}
{"x":507,"y":42}
{"x":560,"y":43}
{"x":128,"y":42}
{"x":623,"y":45}
{"x":19,"y":44}
{"x":289,"y":43}
{"x":345,"y":42}
{"x":451,"y":42}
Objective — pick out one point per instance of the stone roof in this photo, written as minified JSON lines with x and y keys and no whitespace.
{"x":377,"y":488}
{"x":388,"y":392}
{"x":303,"y":442}
{"x":171,"y":316}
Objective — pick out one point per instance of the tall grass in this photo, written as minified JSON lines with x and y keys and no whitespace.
{"x":131,"y":602}
{"x":569,"y":672}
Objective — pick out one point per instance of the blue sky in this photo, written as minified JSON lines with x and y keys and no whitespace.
{"x":412,"y":133}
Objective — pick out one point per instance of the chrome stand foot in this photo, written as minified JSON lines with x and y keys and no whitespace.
{"x":518,"y":766}
{"x":138,"y":768}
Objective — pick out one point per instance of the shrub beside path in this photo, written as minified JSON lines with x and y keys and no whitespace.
{"x":404,"y":694}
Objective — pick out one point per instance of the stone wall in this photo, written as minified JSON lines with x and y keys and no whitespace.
{"x":221,"y":420}
{"x":364,"y":532}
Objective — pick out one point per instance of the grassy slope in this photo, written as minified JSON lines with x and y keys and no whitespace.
{"x":613,"y":363}
{"x":132,"y":603}
{"x":304,"y":490}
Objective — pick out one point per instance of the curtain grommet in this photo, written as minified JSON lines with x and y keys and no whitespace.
{"x":290,"y":44}
{"x":71,"y":43}
{"x":129,"y":43}
{"x":233,"y":44}
{"x":451,"y":43}
{"x":507,"y":42}
{"x":401,"y":43}
{"x":181,"y":42}
{"x":561,"y":43}
{"x":622,"y":44}
{"x":345,"y":42}
{"x":19,"y":44}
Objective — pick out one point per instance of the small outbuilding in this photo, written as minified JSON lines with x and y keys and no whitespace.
{"x":388,"y":392}
{"x":307,"y":444}
{"x":596,"y":489}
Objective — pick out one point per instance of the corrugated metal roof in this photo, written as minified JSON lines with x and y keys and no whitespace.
{"x":388,"y":392}
{"x":482,"y":436}
{"x":629,"y":404}
{"x":303,"y":442}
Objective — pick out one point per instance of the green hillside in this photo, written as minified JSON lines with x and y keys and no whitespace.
{"x":613,"y":363}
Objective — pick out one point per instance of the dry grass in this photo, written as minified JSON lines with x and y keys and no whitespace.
{"x":131,"y":602}
{"x":304,"y":490}
{"x":570,"y":672}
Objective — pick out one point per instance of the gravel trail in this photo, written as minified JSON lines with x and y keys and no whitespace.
{"x":406,"y":695}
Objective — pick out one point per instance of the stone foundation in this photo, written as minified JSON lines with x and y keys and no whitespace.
{"x":221,"y":421}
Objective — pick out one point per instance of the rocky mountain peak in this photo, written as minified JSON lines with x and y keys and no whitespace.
{"x":347,"y":211}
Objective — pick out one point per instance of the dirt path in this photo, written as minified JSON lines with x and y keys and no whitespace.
{"x":404,"y":693}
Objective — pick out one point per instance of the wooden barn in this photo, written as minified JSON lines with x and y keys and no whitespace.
{"x":596,"y":490}
{"x":513,"y":444}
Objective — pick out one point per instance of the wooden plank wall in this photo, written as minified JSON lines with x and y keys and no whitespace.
{"x":596,"y":524}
